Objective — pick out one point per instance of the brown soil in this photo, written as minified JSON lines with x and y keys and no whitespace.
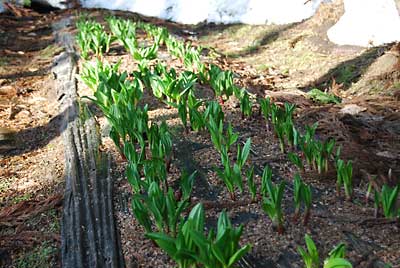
{"x":31,"y":156}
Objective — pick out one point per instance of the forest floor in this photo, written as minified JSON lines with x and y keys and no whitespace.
{"x":31,"y":150}
{"x":283,"y":62}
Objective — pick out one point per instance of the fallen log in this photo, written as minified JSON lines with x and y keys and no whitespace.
{"x":89,"y":236}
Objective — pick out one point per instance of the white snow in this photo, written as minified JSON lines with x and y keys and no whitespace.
{"x":218,"y":11}
{"x":364,"y":23}
{"x":367,"y":22}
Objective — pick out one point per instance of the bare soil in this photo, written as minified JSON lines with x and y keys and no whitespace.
{"x":31,"y":151}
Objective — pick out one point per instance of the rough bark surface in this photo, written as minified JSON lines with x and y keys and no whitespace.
{"x":89,"y":236}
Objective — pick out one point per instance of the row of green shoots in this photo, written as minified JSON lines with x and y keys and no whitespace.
{"x":93,"y":38}
{"x":147,"y":146}
{"x":320,"y":156}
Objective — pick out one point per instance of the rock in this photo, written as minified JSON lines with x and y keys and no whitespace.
{"x":7,"y":91}
{"x":7,"y":139}
{"x":387,"y":154}
{"x":52,"y":3}
{"x":352,"y":109}
{"x":233,"y":101}
{"x":23,"y":114}
{"x":47,"y":3}
{"x":6,"y":134}
{"x":387,"y":63}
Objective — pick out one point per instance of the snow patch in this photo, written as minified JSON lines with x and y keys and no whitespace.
{"x":217,"y":11}
{"x":364,"y":23}
{"x":367,"y":22}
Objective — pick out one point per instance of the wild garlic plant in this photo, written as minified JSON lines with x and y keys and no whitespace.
{"x":92,"y":37}
{"x":231,"y":175}
{"x":117,"y":97}
{"x":221,"y":82}
{"x":145,"y":52}
{"x":176,"y":47}
{"x":246,"y":104}
{"x":251,"y":184}
{"x":387,"y":199}
{"x":272,"y":201}
{"x":196,"y":118}
{"x":213,"y":110}
{"x":159,"y":34}
{"x":302,"y":195}
{"x":125,"y":32}
{"x":192,"y":247}
{"x":191,"y":59}
{"x":220,"y":138}
{"x":220,"y":248}
{"x":335,"y":259}
{"x":163,"y":210}
{"x":265,"y":106}
{"x":282,"y":121}
{"x":296,"y":160}
{"x":93,"y":73}
{"x":310,"y":255}
{"x":160,"y":143}
{"x":321,"y":154}
{"x":344,"y":177}
{"x":181,"y":247}
{"x":165,"y":84}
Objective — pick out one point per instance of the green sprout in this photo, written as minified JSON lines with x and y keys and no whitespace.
{"x":181,"y":247}
{"x":221,"y":82}
{"x":232,"y":175}
{"x":266,"y":176}
{"x":297,"y":186}
{"x":323,"y":97}
{"x":245,"y":102}
{"x":220,"y":139}
{"x":345,"y":178}
{"x":265,"y":105}
{"x":296,"y":160}
{"x":220,"y":249}
{"x":272,"y":204}
{"x":162,"y":209}
{"x":92,"y":37}
{"x":192,"y":247}
{"x":251,"y":184}
{"x":125,"y":32}
{"x":280,"y":133}
{"x":310,"y":256}
{"x":145,"y":53}
{"x":197,"y":121}
{"x":302,"y":194}
{"x":387,"y":200}
{"x":214,"y":110}
{"x":336,"y":258}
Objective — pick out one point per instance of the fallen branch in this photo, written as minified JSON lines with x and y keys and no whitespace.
{"x":378,"y":221}
{"x":16,"y":11}
{"x":25,"y":210}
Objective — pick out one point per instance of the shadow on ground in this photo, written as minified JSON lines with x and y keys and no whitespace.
{"x":348,"y":72}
